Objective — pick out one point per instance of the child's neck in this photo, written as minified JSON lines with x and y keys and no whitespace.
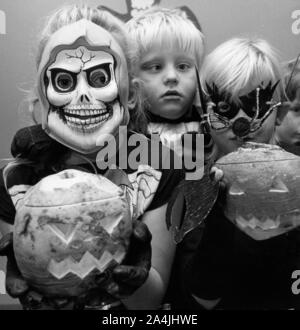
{"x":190,"y":115}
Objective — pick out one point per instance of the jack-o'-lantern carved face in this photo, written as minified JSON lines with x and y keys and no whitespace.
{"x":263,"y":190}
{"x":70,"y":227}
{"x":83,"y":86}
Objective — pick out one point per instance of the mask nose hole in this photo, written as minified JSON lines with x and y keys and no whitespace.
{"x":241,"y":127}
{"x":84,"y":98}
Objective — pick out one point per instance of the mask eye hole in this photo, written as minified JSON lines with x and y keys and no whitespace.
{"x":223,"y":107}
{"x":99,"y":77}
{"x":63,"y":82}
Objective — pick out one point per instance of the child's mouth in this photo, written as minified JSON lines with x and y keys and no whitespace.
{"x":171,"y":95}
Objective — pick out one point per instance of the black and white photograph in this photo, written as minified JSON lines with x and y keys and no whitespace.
{"x":150,"y":158}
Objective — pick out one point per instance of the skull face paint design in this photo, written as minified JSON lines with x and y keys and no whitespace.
{"x":81,"y":88}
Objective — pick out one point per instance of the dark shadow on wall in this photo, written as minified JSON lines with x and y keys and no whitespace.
{"x":134,"y":9}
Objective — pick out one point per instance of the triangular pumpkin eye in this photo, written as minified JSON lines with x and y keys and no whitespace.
{"x":64,"y":230}
{"x":236,"y":190}
{"x":278,"y":186}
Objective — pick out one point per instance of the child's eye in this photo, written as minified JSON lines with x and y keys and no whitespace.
{"x":183,"y":67}
{"x":155,"y":67}
{"x":223,"y":107}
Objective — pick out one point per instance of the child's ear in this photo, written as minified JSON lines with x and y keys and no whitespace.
{"x":132,"y":100}
{"x":281,"y":112}
{"x":134,"y":94}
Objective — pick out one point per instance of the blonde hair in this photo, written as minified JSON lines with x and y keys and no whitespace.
{"x":72,"y":13}
{"x":242,"y":64}
{"x":164,"y":27}
{"x":59,"y":18}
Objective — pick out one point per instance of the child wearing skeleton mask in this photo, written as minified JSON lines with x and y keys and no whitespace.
{"x":231,"y":270}
{"x":82,"y":89}
{"x":288,"y":133}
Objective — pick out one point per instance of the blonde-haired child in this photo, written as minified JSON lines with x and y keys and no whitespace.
{"x":82,"y":91}
{"x":242,"y":79}
{"x":169,"y":51}
{"x":231,"y":270}
{"x":168,"y":48}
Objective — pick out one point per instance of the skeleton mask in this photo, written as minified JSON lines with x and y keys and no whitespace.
{"x":83,"y":86}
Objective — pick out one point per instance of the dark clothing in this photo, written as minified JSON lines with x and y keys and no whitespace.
{"x":160,"y":182}
{"x":190,"y":116}
{"x":178,"y":294}
{"x":245,"y":273}
{"x":171,"y":133}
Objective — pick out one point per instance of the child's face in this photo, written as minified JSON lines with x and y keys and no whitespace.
{"x":288,"y":133}
{"x":169,"y":81}
{"x":227,"y":141}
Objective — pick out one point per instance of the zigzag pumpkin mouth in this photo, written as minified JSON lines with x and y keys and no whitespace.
{"x":262,"y":196}
{"x":255,"y":223}
{"x":85,"y":266}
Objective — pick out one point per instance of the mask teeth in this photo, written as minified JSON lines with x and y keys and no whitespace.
{"x":86,"y":106}
{"x":86,"y":124}
{"x":85,"y":111}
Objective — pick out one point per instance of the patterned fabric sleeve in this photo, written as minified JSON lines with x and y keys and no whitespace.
{"x":169,"y":181}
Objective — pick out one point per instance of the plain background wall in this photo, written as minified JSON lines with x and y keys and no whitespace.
{"x":220,"y":20}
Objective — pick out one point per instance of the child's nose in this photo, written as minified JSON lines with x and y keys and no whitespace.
{"x":171,"y":76}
